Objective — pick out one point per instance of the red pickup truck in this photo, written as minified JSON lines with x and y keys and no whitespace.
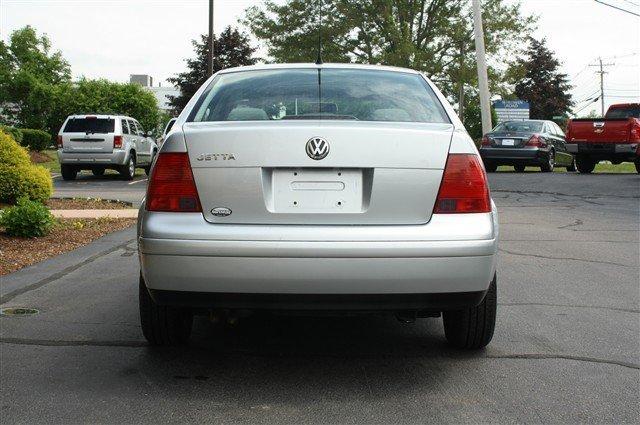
{"x":615,"y":138}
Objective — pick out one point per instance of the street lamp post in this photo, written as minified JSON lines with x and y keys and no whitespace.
{"x":211,"y":40}
{"x":483,"y":80}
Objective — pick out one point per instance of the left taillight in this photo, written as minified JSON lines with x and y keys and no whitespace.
{"x":486,"y":141}
{"x":171,"y":185}
{"x":117,"y":142}
{"x":464,"y":187}
{"x":59,"y":141}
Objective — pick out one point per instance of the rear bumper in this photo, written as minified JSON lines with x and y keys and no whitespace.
{"x":509,"y":156}
{"x":117,"y":157}
{"x":447,"y":263}
{"x":605,"y":151}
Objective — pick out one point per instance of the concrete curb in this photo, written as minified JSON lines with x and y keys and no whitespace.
{"x":124,"y":213}
{"x":39,"y":274}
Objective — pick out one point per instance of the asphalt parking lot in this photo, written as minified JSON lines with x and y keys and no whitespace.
{"x":566,"y":348}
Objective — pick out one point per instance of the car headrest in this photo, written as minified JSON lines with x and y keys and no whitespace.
{"x":244,"y":113}
{"x":390,"y":114}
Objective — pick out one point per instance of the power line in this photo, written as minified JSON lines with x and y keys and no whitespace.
{"x":586,"y":106}
{"x":616,"y":7}
{"x":631,"y":2}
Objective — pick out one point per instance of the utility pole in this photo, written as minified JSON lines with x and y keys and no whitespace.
{"x":602,"y":72}
{"x":461,"y":83}
{"x":483,"y":79}
{"x":211,"y":40}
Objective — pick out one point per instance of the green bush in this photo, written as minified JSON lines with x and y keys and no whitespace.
{"x":11,"y":153}
{"x":36,"y":140}
{"x":18,"y":176}
{"x":27,"y":219}
{"x":16,"y":133}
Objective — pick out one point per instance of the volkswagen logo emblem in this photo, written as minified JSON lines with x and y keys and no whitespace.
{"x":317,"y":148}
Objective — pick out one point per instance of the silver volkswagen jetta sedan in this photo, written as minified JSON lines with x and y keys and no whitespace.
{"x":318,"y":187}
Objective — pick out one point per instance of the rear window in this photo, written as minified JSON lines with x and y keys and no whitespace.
{"x":298,"y":94}
{"x":626,"y":112}
{"x":89,"y":125}
{"x":519,"y":126}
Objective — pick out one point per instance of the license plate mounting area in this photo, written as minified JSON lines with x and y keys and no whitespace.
{"x":316,"y":190}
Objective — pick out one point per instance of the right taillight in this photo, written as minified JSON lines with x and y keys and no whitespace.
{"x":171,"y":185}
{"x":536,"y":141}
{"x":117,"y":142}
{"x":464,"y":187}
{"x":634,"y":135}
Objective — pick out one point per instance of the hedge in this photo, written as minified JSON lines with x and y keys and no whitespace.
{"x":37,"y":140}
{"x":18,"y":176}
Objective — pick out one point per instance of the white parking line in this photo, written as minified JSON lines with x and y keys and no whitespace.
{"x":137,"y":181}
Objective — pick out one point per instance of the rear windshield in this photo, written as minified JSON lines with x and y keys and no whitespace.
{"x":89,"y":125}
{"x":297,"y":94}
{"x":519,"y":126}
{"x":626,"y":112}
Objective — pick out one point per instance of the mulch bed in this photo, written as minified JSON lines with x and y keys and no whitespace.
{"x":67,"y":235}
{"x":39,"y":157}
{"x":86,"y":204}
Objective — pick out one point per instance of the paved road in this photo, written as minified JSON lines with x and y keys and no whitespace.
{"x":566,"y":349}
{"x":109,"y":186}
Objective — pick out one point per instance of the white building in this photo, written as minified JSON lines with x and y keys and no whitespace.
{"x":161,"y":93}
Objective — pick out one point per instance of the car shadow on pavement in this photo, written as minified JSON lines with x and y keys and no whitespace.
{"x":290,"y":355}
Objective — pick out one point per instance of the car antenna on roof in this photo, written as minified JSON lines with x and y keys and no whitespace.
{"x":319,"y":58}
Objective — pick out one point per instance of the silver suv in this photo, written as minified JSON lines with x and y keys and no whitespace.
{"x":318,"y":187}
{"x":99,"y":142}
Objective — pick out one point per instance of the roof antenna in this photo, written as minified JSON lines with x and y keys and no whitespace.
{"x":319,"y":58}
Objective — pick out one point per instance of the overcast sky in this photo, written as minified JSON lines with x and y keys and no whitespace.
{"x":114,"y":38}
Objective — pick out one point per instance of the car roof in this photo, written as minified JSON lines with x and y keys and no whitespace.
{"x":316,"y":66}
{"x":101,"y":116}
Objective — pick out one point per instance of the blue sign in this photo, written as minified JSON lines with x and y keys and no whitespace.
{"x":510,"y":104}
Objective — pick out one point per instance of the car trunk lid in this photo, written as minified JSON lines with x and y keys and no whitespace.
{"x":261,"y":173}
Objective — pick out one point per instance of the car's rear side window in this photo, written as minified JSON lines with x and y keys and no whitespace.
{"x":89,"y":125}
{"x":297,"y":94}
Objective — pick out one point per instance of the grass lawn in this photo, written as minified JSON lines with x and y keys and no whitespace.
{"x":49,"y":159}
{"x":603,"y":167}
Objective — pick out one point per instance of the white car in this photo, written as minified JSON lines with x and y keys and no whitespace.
{"x":318,"y":187}
{"x":100,"y":142}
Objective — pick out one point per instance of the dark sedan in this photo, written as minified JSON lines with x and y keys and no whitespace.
{"x":526,"y":143}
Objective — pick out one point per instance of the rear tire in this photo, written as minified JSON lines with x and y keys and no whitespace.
{"x":69,"y":172}
{"x":163,"y":325}
{"x":585,"y":166}
{"x":573,"y":166}
{"x":128,"y":170}
{"x":472,"y":328}
{"x":98,"y":172}
{"x":637,"y":163}
{"x":491,"y":167}
{"x":519,"y":168}
{"x":549,"y":165}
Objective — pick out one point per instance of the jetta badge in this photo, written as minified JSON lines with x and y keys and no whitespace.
{"x":221,"y":212}
{"x":317,"y":148}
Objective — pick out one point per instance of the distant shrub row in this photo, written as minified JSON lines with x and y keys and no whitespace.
{"x":36,"y":140}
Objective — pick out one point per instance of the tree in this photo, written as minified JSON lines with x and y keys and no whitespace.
{"x":540,"y":82}
{"x":106,"y":97}
{"x":434,"y":36}
{"x":231,"y":48}
{"x":31,"y":79}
